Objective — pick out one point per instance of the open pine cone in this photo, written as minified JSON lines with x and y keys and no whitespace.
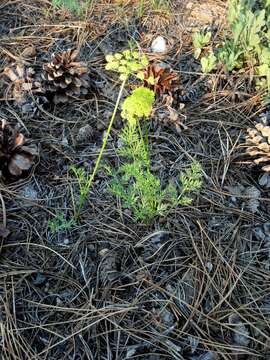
{"x":159,"y":79}
{"x":258,"y":139}
{"x":15,"y":157}
{"x":25,"y":89}
{"x":66,"y":78}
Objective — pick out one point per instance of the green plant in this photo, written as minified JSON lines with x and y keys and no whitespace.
{"x":230,"y":55}
{"x":72,"y":5}
{"x":200,"y":40}
{"x":133,"y":181}
{"x":60,"y":223}
{"x":140,"y":190}
{"x":208,"y":63}
{"x":191,"y":182}
{"x":141,"y":9}
{"x":248,"y":44}
{"x":250,"y":26}
{"x":158,"y":5}
{"x":138,"y":105}
{"x":127,"y":63}
{"x":82,"y":181}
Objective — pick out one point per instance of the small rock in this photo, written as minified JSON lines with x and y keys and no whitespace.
{"x":40,"y":279}
{"x":240,"y":331}
{"x":246,"y":197}
{"x":29,"y":192}
{"x":209,"y":266}
{"x":85,"y":133}
{"x":264,"y":180}
{"x":159,"y":45}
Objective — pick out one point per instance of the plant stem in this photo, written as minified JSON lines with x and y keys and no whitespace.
{"x":91,"y":179}
{"x":144,"y":145}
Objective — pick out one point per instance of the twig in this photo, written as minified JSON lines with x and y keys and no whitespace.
{"x":4,"y":210}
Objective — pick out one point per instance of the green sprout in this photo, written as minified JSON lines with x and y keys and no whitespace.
{"x":200,"y":40}
{"x":60,"y":223}
{"x":208,"y":63}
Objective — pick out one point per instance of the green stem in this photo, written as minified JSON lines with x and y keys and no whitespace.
{"x":91,"y":179}
{"x":144,"y":144}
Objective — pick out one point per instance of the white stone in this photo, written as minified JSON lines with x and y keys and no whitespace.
{"x":159,"y":45}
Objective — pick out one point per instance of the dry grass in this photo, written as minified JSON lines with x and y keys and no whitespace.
{"x":110,"y":288}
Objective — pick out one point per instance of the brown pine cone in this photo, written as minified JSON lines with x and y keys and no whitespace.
{"x":15,"y":157}
{"x":258,"y":139}
{"x":66,"y":78}
{"x":24,"y":86}
{"x":159,"y":79}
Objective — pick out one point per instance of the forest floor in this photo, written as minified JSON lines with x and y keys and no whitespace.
{"x":194,"y":285}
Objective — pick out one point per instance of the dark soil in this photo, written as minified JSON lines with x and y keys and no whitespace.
{"x":194,"y":285}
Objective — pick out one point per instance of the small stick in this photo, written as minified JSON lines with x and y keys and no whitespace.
{"x":4,"y":211}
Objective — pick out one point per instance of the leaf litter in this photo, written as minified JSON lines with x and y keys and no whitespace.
{"x":192,"y":286}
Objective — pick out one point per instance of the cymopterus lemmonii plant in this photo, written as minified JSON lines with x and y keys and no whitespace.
{"x":133,"y":182}
{"x":126,"y":64}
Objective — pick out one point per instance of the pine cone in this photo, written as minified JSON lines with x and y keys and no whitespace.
{"x":259,"y":140}
{"x":66,"y":78}
{"x":24,"y":87}
{"x":159,"y":79}
{"x":15,"y":157}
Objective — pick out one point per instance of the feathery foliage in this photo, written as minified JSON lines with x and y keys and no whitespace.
{"x":60,"y":223}
{"x":140,"y":190}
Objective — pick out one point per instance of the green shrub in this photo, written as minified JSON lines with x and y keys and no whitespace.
{"x":248,"y":43}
